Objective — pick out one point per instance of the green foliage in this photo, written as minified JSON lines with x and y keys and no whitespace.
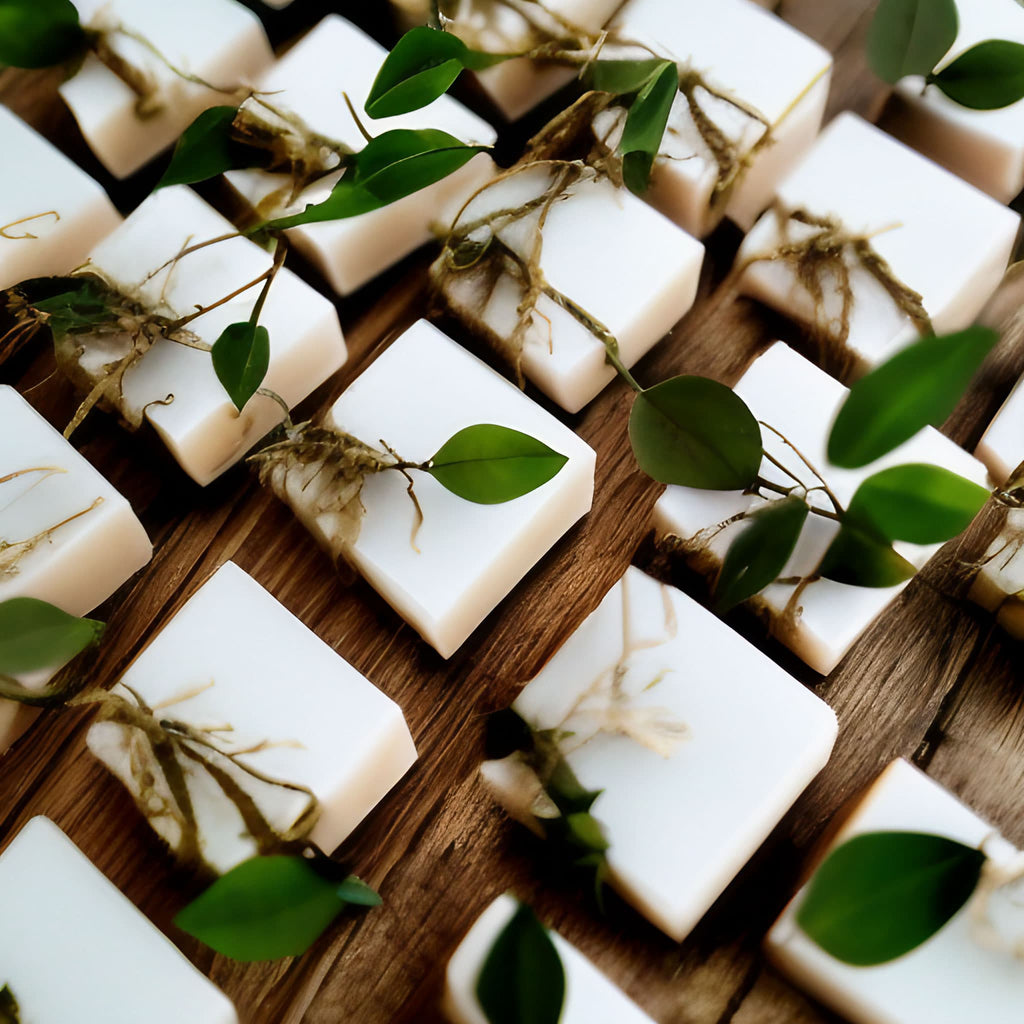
{"x":36,"y":635}
{"x":9,"y":1012}
{"x":207,"y":148}
{"x":84,"y":306}
{"x":909,"y":37}
{"x":241,"y":357}
{"x":645,"y":125}
{"x":862,"y":560}
{"x":985,"y":77}
{"x":40,"y":33}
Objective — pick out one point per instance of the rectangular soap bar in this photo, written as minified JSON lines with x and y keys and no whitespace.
{"x":639,"y":278}
{"x":697,"y":742}
{"x":73,"y":948}
{"x":590,"y":998}
{"x":51,"y":212}
{"x":939,"y":236}
{"x":236,"y":665}
{"x":1001,"y":447}
{"x":333,"y":60}
{"x":201,"y":426}
{"x":218,"y":41}
{"x":833,"y":614}
{"x":952,"y":977}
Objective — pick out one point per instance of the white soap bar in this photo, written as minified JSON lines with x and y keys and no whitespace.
{"x":1001,"y":447}
{"x":940,"y":237}
{"x":51,"y":212}
{"x":218,"y":41}
{"x":762,"y":64}
{"x":73,"y":948}
{"x":704,"y":749}
{"x":590,"y":998}
{"x":236,"y":663}
{"x":998,"y":586}
{"x":833,"y":614}
{"x":201,"y":427}
{"x":640,"y":279}
{"x":336,"y":58}
{"x":949,"y":979}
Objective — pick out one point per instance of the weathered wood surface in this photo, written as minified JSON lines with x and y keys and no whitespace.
{"x":932,"y":680}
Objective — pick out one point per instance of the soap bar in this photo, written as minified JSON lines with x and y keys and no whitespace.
{"x":51,"y":212}
{"x":218,"y":41}
{"x":949,"y":979}
{"x":833,"y":614}
{"x":998,"y":585}
{"x":590,"y":998}
{"x":697,"y":742}
{"x":337,"y":59}
{"x":1001,"y":447}
{"x":640,"y":279}
{"x":237,"y":667}
{"x":201,"y":426}
{"x":72,"y":947}
{"x":938,"y":236}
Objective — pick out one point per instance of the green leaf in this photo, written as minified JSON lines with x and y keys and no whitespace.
{"x":585,"y":830}
{"x":208,"y":148}
{"x":241,"y":357}
{"x":84,"y":307}
{"x":915,"y":502}
{"x":356,"y":892}
{"x":491,"y":464}
{"x":622,"y":77}
{"x":39,"y":33}
{"x":522,"y":980}
{"x":36,"y":635}
{"x":862,"y":560}
{"x":695,"y":432}
{"x":760,"y":552}
{"x":909,"y":37}
{"x":882,"y":894}
{"x":9,"y":1012}
{"x":268,"y":907}
{"x":985,"y":77}
{"x":918,"y":386}
{"x":645,"y":126}
{"x":422,"y":66}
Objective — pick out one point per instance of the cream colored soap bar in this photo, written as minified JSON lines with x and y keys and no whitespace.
{"x":952,"y":978}
{"x":201,"y":426}
{"x":698,"y":743}
{"x":218,"y":41}
{"x":51,"y":212}
{"x":337,"y":59}
{"x":590,"y":998}
{"x":938,"y":236}
{"x":73,"y":948}
{"x":833,"y":614}
{"x":1002,"y":445}
{"x":237,"y":666}
{"x":999,"y":584}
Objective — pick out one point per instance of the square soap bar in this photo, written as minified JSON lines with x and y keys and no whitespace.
{"x":237,"y":666}
{"x":72,"y":947}
{"x":641,"y":280}
{"x":1001,"y":447}
{"x":832,"y":614}
{"x":218,"y":41}
{"x":998,"y":586}
{"x":201,"y":426}
{"x":952,"y":977}
{"x":51,"y":212}
{"x":590,"y":998}
{"x":939,"y":236}
{"x":698,"y":743}
{"x":311,"y":81}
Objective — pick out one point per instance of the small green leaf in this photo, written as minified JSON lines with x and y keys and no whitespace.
{"x":916,"y":502}
{"x":9,"y":1012}
{"x":881,"y":894}
{"x":241,"y":357}
{"x":909,"y":37}
{"x":357,"y":893}
{"x":695,"y":432}
{"x":623,"y":77}
{"x":985,"y":77}
{"x":35,"y":635}
{"x":208,"y":148}
{"x":918,"y":386}
{"x":645,"y":126}
{"x":83,"y":307}
{"x":862,"y":560}
{"x":585,"y":830}
{"x":522,"y":980}
{"x":760,"y":552}
{"x":39,"y":33}
{"x":491,"y":464}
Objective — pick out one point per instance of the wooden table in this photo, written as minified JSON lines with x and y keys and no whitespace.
{"x":932,"y":680}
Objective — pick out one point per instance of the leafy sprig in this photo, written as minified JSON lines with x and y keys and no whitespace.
{"x":40,"y":33}
{"x":36,"y":635}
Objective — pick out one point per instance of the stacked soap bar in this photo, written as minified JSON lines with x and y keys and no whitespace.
{"x":201,"y":426}
{"x":218,"y":42}
{"x":953,"y":977}
{"x":999,"y":584}
{"x":51,"y":212}
{"x":1002,"y":445}
{"x":590,"y":998}
{"x":66,"y":535}
{"x":72,"y":947}
{"x":832,"y":614}
{"x":697,"y":742}
{"x":638,"y":279}
{"x":269,"y":700}
{"x":936,"y":236}
{"x":311,"y":81}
